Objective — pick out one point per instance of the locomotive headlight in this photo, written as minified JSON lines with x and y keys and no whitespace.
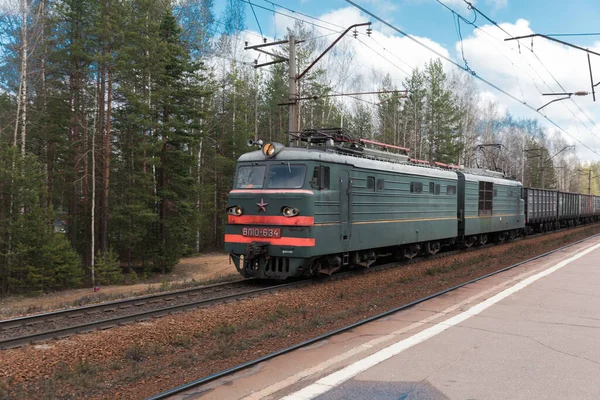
{"x":235,"y":210}
{"x":269,"y":149}
{"x":290,"y":211}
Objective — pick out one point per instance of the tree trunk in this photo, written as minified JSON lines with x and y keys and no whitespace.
{"x":107,"y":161}
{"x":93,"y":208}
{"x":24,"y":75}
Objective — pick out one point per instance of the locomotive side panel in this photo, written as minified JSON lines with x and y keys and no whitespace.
{"x":390,"y":209}
{"x":492,"y":205}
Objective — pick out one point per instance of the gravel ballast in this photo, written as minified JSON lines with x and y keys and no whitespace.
{"x":136,"y":361}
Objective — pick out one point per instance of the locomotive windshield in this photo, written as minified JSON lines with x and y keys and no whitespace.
{"x":250,"y":177}
{"x":281,"y":176}
{"x":286,"y":176}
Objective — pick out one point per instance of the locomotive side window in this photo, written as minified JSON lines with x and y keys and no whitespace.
{"x":416,"y":187}
{"x":320,"y":179}
{"x":371,"y":182}
{"x":380,"y":185}
{"x":431,"y":187}
{"x":450,"y":189}
{"x":250,"y":177}
{"x":286,"y":176}
{"x":437,"y":189}
{"x":486,"y":196}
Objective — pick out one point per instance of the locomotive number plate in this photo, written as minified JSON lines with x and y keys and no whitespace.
{"x":262,"y":232}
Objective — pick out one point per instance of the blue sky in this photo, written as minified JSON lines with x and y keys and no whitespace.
{"x":430,"y":19}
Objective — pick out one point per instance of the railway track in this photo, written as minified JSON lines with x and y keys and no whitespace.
{"x":248,"y":364}
{"x":37,"y":328}
{"x":17,"y":332}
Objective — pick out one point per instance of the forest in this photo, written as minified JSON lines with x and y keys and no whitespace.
{"x":121,"y":121}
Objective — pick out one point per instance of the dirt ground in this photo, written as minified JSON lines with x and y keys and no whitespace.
{"x":206,"y":267}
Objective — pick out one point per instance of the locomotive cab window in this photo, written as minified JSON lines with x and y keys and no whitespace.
{"x":320,"y":179}
{"x":380,"y":185}
{"x":286,"y":176}
{"x":486,"y":196}
{"x":416,"y":187}
{"x":450,"y":189}
{"x":251,"y":176}
{"x":371,"y":182}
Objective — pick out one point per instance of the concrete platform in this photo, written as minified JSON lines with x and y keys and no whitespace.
{"x":532,"y":332}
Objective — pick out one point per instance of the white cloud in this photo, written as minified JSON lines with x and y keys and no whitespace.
{"x":9,"y":6}
{"x":497,"y":4}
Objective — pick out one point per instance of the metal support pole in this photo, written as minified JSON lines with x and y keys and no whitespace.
{"x":293,"y":92}
{"x":542,"y":168}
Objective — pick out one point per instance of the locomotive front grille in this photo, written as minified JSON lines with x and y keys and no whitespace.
{"x":278,"y":264}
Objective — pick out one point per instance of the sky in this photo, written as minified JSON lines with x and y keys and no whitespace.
{"x":523,"y":70}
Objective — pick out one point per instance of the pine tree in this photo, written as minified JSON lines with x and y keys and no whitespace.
{"x":441,"y":117}
{"x":32,"y":256}
{"x":413,"y":113}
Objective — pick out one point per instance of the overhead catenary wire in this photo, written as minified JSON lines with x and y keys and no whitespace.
{"x":289,"y":16}
{"x":476,"y":76}
{"x":256,"y":18}
{"x":440,"y":55}
{"x":380,"y":55}
{"x":476,"y":11}
{"x":573,"y":34}
{"x":471,"y":6}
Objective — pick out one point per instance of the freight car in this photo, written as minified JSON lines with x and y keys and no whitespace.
{"x":548,"y":210}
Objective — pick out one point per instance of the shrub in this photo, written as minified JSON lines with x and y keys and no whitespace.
{"x":108,"y":270}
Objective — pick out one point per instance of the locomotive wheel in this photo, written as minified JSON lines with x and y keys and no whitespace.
{"x":483,"y":239}
{"x":411,"y":251}
{"x":469,"y":241}
{"x":433,"y":247}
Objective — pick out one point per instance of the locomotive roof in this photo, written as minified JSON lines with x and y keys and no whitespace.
{"x":318,"y":154}
{"x":303,"y":154}
{"x":500,"y":181}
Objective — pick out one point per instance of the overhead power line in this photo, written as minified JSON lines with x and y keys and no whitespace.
{"x":462,"y":68}
{"x":256,"y":18}
{"x":476,"y":11}
{"x":289,"y":16}
{"x":573,"y":34}
{"x":471,"y":6}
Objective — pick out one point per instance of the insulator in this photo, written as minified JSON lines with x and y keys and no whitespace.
{"x":369,"y":30}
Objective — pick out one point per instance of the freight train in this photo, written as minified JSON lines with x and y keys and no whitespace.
{"x":329,"y":202}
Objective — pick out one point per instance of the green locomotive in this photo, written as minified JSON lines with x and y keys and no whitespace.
{"x":329,"y":203}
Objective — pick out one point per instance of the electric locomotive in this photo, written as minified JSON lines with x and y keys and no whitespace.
{"x":330,"y":203}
